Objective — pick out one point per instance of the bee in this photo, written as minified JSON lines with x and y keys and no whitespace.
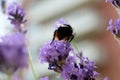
{"x":64,"y":32}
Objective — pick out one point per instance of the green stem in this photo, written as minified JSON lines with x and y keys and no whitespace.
{"x":73,"y":44}
{"x":9,"y":77}
{"x":31,"y":64}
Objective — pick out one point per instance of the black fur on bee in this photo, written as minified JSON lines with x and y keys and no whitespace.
{"x":64,"y":32}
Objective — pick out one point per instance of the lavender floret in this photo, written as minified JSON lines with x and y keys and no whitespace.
{"x":16,"y":15}
{"x":13,"y":52}
{"x":55,"y":54}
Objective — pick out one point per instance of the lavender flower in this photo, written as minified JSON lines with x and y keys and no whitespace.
{"x":110,"y":0}
{"x":16,"y":15}
{"x":45,"y":78}
{"x":115,"y":3}
{"x":59,"y":23}
{"x":83,"y":70}
{"x":106,"y":78}
{"x":13,"y":52}
{"x":115,"y":27}
{"x":55,"y":54}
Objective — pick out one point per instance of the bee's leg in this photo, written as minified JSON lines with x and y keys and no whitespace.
{"x":71,"y":38}
{"x":54,"y":36}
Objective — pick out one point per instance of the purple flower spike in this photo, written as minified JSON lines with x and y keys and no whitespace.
{"x":59,"y":23}
{"x":45,"y":78}
{"x":83,"y":70}
{"x":110,"y":27}
{"x":109,"y":0}
{"x":16,"y":15}
{"x":13,"y":52}
{"x":115,"y":27}
{"x":115,"y":3}
{"x":55,"y":54}
{"x":106,"y":78}
{"x":117,"y":24}
{"x":13,"y":39}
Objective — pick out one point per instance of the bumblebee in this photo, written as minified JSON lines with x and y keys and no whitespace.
{"x":64,"y":32}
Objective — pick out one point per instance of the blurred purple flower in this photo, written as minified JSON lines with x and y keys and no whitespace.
{"x":13,"y":52}
{"x":115,"y":3}
{"x":59,"y":23}
{"x":114,"y":27}
{"x":16,"y":15}
{"x":106,"y":78}
{"x":55,"y":54}
{"x":45,"y":78}
{"x":109,"y":0}
{"x":15,"y":78}
{"x":83,"y":70}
